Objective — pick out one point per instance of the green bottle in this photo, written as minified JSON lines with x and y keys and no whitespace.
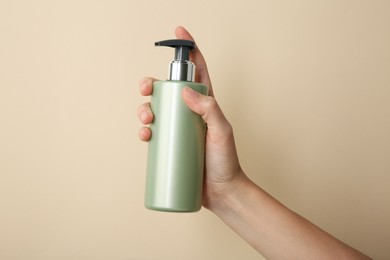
{"x":175,"y":166}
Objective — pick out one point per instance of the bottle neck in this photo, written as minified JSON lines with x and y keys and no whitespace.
{"x":182,"y":71}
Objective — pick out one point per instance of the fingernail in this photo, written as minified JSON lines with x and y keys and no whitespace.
{"x":142,"y":87}
{"x":144,"y":116}
{"x":144,"y":134}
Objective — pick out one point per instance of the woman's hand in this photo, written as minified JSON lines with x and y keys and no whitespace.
{"x":222,"y":169}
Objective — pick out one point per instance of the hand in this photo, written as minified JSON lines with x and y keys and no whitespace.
{"x":223,"y":173}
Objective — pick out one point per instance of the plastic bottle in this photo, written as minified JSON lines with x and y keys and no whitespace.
{"x":175,"y":165}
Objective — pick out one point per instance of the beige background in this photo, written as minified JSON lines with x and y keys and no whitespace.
{"x":306,"y":85}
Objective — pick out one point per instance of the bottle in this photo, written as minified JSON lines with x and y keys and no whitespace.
{"x":175,"y":165}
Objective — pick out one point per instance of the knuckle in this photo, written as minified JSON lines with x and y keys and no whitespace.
{"x":145,"y":80}
{"x":146,"y":86}
{"x":211,"y":104}
{"x":144,"y":112}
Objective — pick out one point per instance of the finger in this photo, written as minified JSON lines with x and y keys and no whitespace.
{"x":145,"y":134}
{"x":146,"y":86}
{"x":206,"y":107}
{"x":145,"y":113}
{"x":202,"y":74}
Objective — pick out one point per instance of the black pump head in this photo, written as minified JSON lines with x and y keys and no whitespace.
{"x":182,"y":48}
{"x":181,"y":68}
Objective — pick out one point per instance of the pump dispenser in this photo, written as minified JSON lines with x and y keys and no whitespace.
{"x":175,"y":166}
{"x":181,"y":68}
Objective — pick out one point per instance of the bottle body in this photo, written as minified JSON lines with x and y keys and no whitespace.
{"x":175,"y":166}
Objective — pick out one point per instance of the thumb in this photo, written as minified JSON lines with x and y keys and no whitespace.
{"x":206,"y":107}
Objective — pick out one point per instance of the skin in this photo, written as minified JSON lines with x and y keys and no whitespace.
{"x":272,"y":229}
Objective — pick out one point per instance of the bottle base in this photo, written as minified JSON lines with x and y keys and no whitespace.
{"x":173,"y":210}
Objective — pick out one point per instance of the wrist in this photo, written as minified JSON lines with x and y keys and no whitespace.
{"x":229,"y":195}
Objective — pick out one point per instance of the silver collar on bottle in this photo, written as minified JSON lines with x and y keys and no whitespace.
{"x":182,"y":71}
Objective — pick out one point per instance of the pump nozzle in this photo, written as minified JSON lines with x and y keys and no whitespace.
{"x":181,"y":68}
{"x":182,"y":48}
